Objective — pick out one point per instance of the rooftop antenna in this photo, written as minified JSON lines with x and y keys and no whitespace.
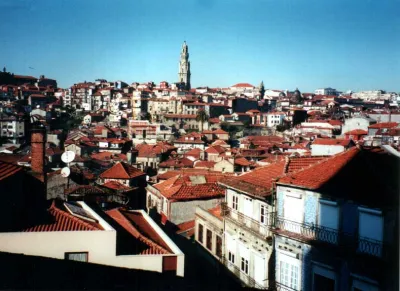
{"x":67,"y":157}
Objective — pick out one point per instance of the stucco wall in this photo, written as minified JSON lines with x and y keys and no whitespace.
{"x":325,"y":150}
{"x":100,"y":245}
{"x":185,"y":211}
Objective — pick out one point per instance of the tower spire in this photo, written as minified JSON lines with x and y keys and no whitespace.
{"x":184,"y":67}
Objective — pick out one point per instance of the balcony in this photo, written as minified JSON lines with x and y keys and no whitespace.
{"x":246,"y":279}
{"x":250,"y":282}
{"x":255,"y":226}
{"x":351,"y":243}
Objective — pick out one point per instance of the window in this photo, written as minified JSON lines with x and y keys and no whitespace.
{"x":323,"y":283}
{"x":209,"y":239}
{"x":370,"y":230}
{"x":218,"y":249}
{"x":231,"y":257}
{"x":149,"y":201}
{"x":235,"y":202}
{"x":248,"y":207}
{"x":200,"y":233}
{"x":244,"y":266}
{"x":328,"y":218}
{"x":289,"y":275}
{"x":263,"y":214}
{"x":79,"y":257}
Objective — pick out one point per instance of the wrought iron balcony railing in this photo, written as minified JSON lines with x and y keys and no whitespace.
{"x":352,"y":242}
{"x":260,"y":228}
{"x":245,"y":278}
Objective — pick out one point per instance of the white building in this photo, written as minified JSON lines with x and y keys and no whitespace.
{"x":329,"y":147}
{"x":372,"y":95}
{"x":327,"y":91}
{"x":77,"y":232}
{"x":12,"y":128}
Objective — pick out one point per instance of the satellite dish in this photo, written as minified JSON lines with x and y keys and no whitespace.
{"x":65,"y":172}
{"x":68,"y":157}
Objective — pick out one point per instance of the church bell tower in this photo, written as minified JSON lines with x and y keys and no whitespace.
{"x":184,"y":67}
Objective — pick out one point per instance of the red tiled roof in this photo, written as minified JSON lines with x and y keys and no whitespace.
{"x":83,"y":190}
{"x":181,"y":188}
{"x":298,"y":163}
{"x":194,"y":153}
{"x":214,"y":120}
{"x":185,"y":226}
{"x":215,"y":150}
{"x":335,"y":122}
{"x":259,"y":182}
{"x":242,"y":162}
{"x":384,"y":125}
{"x":177,"y":163}
{"x":194,"y":172}
{"x":219,"y":142}
{"x":315,"y":176}
{"x":61,"y":220}
{"x":216,"y":211}
{"x":220,"y":131}
{"x":24,"y":77}
{"x":139,"y":228}
{"x":114,"y":185}
{"x":242,"y":85}
{"x":121,"y":171}
{"x":204,"y":164}
{"x":326,"y":141}
{"x":7,"y":170}
{"x":357,"y":132}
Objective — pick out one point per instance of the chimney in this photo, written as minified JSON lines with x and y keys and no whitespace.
{"x":38,"y":141}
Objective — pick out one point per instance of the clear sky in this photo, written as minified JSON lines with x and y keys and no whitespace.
{"x":306,"y":44}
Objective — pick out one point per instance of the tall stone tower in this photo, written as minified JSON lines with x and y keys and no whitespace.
{"x":184,"y":67}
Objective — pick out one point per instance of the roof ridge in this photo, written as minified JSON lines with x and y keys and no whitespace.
{"x":54,"y":208}
{"x":141,"y":236}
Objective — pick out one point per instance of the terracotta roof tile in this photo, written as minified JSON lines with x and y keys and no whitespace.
{"x":186,"y":188}
{"x":7,"y":170}
{"x":315,"y":176}
{"x":135,"y":224}
{"x":259,"y":182}
{"x":114,"y":185}
{"x":337,"y":141}
{"x":384,"y":125}
{"x":121,"y":170}
{"x":60,"y":219}
{"x":204,"y":164}
{"x":357,"y":132}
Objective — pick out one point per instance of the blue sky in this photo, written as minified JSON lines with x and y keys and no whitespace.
{"x":287,"y":44}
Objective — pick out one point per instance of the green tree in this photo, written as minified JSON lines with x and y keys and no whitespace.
{"x":202,"y":117}
{"x":147,"y":116}
{"x":261,"y":90}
